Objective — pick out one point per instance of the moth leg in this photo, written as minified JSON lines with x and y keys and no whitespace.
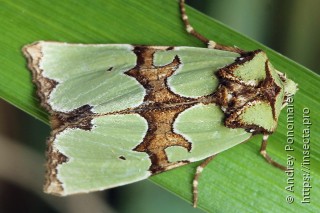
{"x":210,"y":43}
{"x":263,"y":152}
{"x":196,"y":178}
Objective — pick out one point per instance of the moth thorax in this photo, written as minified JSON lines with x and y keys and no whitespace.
{"x":232,"y":96}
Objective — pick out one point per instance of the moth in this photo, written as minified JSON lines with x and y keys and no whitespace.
{"x":143,"y":110}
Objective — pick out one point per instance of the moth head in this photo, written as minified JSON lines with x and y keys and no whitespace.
{"x":290,"y":87}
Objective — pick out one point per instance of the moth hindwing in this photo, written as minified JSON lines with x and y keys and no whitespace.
{"x":121,"y":113}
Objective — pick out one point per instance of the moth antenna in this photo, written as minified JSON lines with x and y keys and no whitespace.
{"x":210,"y":43}
{"x":263,"y":152}
{"x":190,"y":29}
{"x":196,"y":178}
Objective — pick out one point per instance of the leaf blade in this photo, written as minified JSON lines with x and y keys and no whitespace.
{"x":109,"y":22}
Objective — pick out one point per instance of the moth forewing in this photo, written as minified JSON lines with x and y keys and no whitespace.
{"x":149,"y":105}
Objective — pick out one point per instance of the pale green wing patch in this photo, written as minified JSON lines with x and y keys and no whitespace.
{"x":195,"y":76}
{"x":253,"y":71}
{"x":89,"y":74}
{"x":203,"y":126}
{"x":260,"y":114}
{"x":102,"y":157}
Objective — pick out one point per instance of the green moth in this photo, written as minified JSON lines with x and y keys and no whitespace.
{"x":143,"y":110}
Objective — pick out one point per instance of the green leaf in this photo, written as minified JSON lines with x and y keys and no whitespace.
{"x":238,"y":180}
